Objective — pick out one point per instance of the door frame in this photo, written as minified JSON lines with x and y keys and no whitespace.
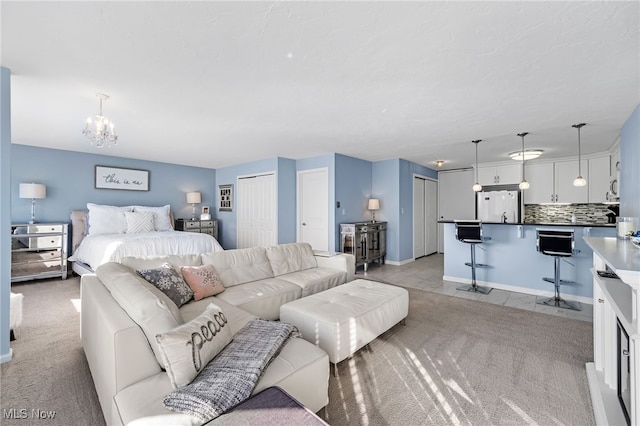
{"x":413,"y":225}
{"x":299,"y":173}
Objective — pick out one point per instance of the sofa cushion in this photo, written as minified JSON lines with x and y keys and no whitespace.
{"x":262,"y":298}
{"x":170,"y":282}
{"x":144,"y":307}
{"x":240,"y":266}
{"x":237,"y":317}
{"x":316,"y":280}
{"x":288,"y":258}
{"x":301,"y":369}
{"x":203,"y":280}
{"x":150,"y":262}
{"x":186,"y":350}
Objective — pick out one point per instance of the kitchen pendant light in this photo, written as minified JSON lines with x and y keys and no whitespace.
{"x":476,"y":186}
{"x":524,"y":184}
{"x":579,"y":181}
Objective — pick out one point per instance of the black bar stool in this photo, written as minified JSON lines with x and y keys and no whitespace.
{"x":558,"y":244}
{"x":470,"y":232}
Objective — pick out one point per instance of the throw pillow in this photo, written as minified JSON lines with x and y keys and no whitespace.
{"x":162,"y":218}
{"x":107,"y":219}
{"x":139,"y":222}
{"x":203,"y":280}
{"x":170,"y":282}
{"x":187,"y":349}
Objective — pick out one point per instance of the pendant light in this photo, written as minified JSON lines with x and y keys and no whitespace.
{"x":524,"y":184}
{"x":579,"y":181}
{"x":476,"y":186}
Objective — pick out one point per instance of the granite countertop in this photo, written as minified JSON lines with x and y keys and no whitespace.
{"x":581,"y":224}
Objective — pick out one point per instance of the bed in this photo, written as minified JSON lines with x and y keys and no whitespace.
{"x":108,"y":234}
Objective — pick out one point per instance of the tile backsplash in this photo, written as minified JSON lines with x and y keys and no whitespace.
{"x":561,"y":213}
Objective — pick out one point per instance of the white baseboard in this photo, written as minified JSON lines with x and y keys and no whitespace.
{"x":525,"y":290}
{"x":396,"y":263}
{"x":6,"y":357}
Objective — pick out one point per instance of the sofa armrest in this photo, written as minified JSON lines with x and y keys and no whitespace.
{"x":117,"y":350}
{"x":342,"y":261}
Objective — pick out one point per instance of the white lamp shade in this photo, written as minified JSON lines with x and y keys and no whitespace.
{"x":374,"y":204}
{"x":194,"y":198}
{"x":33,"y":190}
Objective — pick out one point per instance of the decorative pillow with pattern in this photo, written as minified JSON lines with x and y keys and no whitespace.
{"x":203,"y":280}
{"x":187,"y":349}
{"x":139,"y":222}
{"x":170,"y":282}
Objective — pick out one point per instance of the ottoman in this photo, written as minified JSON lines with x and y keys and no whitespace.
{"x":345,"y":318}
{"x":15,"y":313}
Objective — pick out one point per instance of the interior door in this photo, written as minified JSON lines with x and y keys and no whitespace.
{"x":419,"y":218}
{"x":313,"y":208}
{"x":431,"y":216}
{"x":256,"y":202}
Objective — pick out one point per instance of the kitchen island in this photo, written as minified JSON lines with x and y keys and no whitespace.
{"x":515,"y":264}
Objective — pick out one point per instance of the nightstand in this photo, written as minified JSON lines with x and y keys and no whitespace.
{"x":38,"y":250}
{"x":203,"y":226}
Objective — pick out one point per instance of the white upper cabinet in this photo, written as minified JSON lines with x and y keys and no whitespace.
{"x":565,"y":173}
{"x":540,"y":178}
{"x":599,"y":178}
{"x":500,"y":175}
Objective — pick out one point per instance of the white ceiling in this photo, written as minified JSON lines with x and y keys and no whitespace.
{"x":214,"y":84}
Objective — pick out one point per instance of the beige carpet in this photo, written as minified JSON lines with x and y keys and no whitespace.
{"x":465,"y":362}
{"x":455,"y":362}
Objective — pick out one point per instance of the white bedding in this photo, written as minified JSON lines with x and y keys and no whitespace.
{"x":98,"y":249}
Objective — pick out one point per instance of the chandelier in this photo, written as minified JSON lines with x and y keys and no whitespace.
{"x":100,"y":131}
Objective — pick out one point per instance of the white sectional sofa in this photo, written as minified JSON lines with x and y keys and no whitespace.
{"x":129,"y":380}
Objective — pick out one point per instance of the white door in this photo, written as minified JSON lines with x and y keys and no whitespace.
{"x":256,"y":201}
{"x":313,"y":208}
{"x":431,"y":216}
{"x":419,"y":220}
{"x":425,"y":217}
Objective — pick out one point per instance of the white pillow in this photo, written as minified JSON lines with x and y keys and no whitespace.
{"x":162,"y":219}
{"x":139,"y":222}
{"x":187,"y":349}
{"x":107,"y":219}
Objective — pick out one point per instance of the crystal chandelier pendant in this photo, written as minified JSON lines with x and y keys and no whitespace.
{"x":101,"y":132}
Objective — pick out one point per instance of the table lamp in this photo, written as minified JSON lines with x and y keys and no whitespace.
{"x":193,"y":198}
{"x":33,"y":191}
{"x":374,"y":204}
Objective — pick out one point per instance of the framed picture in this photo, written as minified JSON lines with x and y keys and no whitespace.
{"x":119,"y":178}
{"x":205,"y":209}
{"x":205,"y":213}
{"x":225,"y":198}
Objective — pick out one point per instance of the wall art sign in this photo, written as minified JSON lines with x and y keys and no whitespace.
{"x":119,"y":178}
{"x":225,"y":198}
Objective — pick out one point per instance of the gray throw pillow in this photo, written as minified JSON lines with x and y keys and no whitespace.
{"x":170,"y":282}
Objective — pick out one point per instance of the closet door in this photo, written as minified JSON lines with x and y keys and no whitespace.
{"x":256,"y":201}
{"x":419,"y":243}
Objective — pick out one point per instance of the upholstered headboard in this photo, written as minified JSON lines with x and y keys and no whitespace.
{"x":78,"y":228}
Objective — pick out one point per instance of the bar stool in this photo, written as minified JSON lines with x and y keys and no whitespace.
{"x":470,"y":232}
{"x":558,"y":244}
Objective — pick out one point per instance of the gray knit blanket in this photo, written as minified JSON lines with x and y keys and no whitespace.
{"x":230,"y":377}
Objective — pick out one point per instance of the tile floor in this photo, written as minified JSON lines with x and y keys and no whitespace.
{"x":426,"y":274}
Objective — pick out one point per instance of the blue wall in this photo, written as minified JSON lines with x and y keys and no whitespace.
{"x":66,"y":191}
{"x":5,"y":211}
{"x":353,"y":190}
{"x":287,"y":200}
{"x":630,"y":166}
{"x":386,"y":185}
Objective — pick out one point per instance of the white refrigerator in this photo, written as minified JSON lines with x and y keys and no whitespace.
{"x":498,"y":206}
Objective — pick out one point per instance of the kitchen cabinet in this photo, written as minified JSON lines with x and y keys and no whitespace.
{"x":553,"y":183}
{"x":500,"y":175}
{"x":540,"y":178}
{"x":565,"y":173}
{"x":599,"y":178}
